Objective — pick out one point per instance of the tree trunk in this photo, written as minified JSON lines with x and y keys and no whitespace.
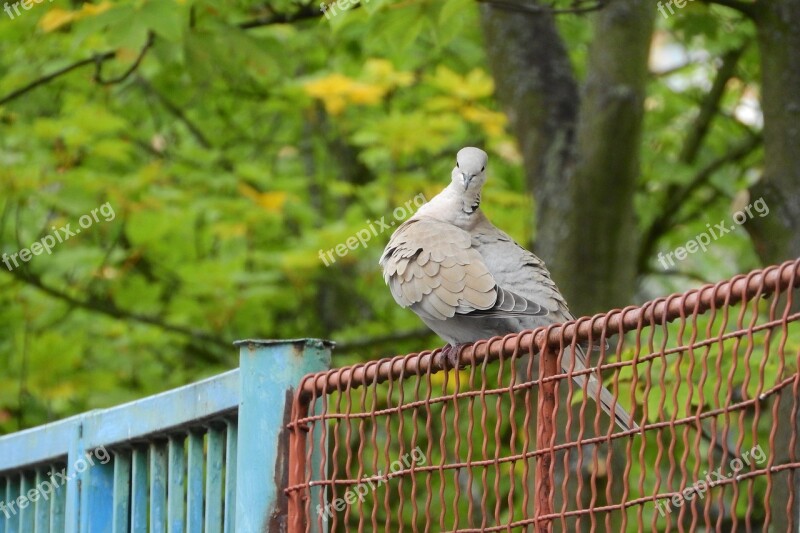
{"x":583,"y":183}
{"x":776,"y":236}
{"x":536,"y":86}
{"x":582,"y":174}
{"x":599,"y":258}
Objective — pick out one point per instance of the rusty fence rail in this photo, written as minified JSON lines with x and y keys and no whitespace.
{"x":507,"y":442}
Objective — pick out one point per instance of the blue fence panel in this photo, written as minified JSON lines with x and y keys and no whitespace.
{"x":201,"y":458}
{"x":176,"y":489}
{"x":230,"y":477}
{"x":122,"y":492}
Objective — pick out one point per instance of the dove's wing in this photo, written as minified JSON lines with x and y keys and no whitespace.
{"x":432,"y":267}
{"x":520,"y":271}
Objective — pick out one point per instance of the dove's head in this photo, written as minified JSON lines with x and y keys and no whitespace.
{"x":470,"y":170}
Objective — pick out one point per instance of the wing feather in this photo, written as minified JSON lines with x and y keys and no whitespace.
{"x":432,"y":267}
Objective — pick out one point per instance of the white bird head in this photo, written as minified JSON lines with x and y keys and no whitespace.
{"x":470,"y":169}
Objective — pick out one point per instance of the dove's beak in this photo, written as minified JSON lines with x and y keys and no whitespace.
{"x":466,"y":179}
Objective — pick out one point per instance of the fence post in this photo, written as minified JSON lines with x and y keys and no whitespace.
{"x":73,"y":486}
{"x":297,"y":473}
{"x":270,"y":371}
{"x":548,"y":366}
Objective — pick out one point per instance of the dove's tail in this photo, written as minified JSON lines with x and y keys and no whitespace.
{"x":606,"y":399}
{"x":621,"y":416}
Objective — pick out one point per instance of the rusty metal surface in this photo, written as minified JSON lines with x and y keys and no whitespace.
{"x":508,"y":442}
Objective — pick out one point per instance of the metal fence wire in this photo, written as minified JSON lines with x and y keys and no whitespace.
{"x":506,"y":441}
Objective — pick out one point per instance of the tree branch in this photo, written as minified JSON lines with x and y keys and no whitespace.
{"x":705,"y":205}
{"x":539,"y":9}
{"x":98,"y":59}
{"x":105,"y":56}
{"x":98,"y":72}
{"x":358,"y":344}
{"x":305,"y":13}
{"x":109,"y":308}
{"x":694,"y":276}
{"x":672,"y":70}
{"x":710,"y":105}
{"x":676,"y":196}
{"x":178,"y":113}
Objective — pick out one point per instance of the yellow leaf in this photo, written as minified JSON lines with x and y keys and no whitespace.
{"x":442,"y":103}
{"x":271,"y":201}
{"x":365,"y":94}
{"x":336,"y":91}
{"x":408,"y":133}
{"x":445,"y":79}
{"x":479,"y":83}
{"x":55,"y":18}
{"x":332,"y":84}
{"x":492,"y":122}
{"x":382,"y":72}
{"x":334,"y":104}
{"x":91,"y":10}
{"x":475,"y":85}
{"x":438,"y":381}
{"x":248,"y":191}
{"x":507,"y":149}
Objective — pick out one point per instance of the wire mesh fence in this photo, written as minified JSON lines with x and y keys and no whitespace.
{"x":505,"y":440}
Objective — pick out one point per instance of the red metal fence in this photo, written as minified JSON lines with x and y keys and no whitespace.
{"x":508,"y":442}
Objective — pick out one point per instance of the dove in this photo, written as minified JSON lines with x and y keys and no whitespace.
{"x":468,"y":280}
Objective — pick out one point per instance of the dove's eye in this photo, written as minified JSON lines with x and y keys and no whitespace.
{"x":457,"y":165}
{"x":482,"y":168}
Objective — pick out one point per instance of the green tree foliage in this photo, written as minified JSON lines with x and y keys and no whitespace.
{"x":233,"y":149}
{"x":237,"y":142}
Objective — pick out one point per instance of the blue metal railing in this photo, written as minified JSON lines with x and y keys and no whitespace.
{"x":201,"y":458}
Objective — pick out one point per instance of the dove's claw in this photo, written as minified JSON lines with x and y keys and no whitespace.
{"x":450,"y":354}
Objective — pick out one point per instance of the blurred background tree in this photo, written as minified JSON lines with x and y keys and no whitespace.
{"x":236,"y":140}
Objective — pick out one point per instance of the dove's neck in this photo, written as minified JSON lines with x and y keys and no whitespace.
{"x":456,"y":206}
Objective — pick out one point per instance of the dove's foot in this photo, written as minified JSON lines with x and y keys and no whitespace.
{"x":450,"y":354}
